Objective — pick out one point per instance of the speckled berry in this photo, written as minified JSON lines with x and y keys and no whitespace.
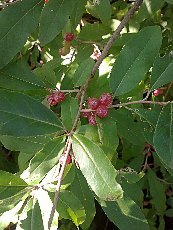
{"x":69,"y":37}
{"x":86,"y":114}
{"x":92,"y":119}
{"x":102,"y":111}
{"x":93,"y":103}
{"x":106,"y":99}
{"x":55,"y":98}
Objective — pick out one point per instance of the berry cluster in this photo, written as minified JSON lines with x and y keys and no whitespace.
{"x":68,"y":38}
{"x":55,"y":98}
{"x":100,"y":107}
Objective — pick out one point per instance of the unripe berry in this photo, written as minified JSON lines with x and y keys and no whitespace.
{"x":92,"y":119}
{"x":93,"y":103}
{"x":158,"y":92}
{"x":69,"y":37}
{"x":106,"y":99}
{"x":102,"y":111}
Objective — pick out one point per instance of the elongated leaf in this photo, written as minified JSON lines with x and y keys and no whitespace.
{"x":83,"y":72}
{"x":127,"y":127}
{"x":135,"y":60}
{"x":109,"y":139}
{"x":18,"y":76}
{"x":70,"y":107}
{"x":158,"y":198}
{"x":104,"y":10}
{"x":125,"y":214}
{"x":46,"y":205}
{"x":17,"y":22}
{"x":25,"y":144}
{"x":96,"y":168}
{"x":163,"y":136}
{"x":70,"y":207}
{"x":21,"y":115}
{"x":80,"y":188}
{"x":44,"y":160}
{"x":53,"y":19}
{"x":30,"y":217}
{"x":162,"y":72}
{"x":10,"y":184}
{"x":148,"y":9}
{"x":77,"y":12}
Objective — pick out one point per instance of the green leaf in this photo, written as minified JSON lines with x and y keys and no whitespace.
{"x":162,"y":72}
{"x":135,"y":60}
{"x":69,"y":110}
{"x":70,"y":207}
{"x":83,"y":72}
{"x":109,"y":139}
{"x":96,"y":168}
{"x":148,"y":9}
{"x":77,"y":12}
{"x":81,"y":190}
{"x":18,"y":76}
{"x":21,"y":115}
{"x":53,"y":19}
{"x":127,"y":127}
{"x":46,"y":205}
{"x":17,"y":22}
{"x":100,"y":9}
{"x":169,"y":1}
{"x":44,"y":160}
{"x":163,"y":139}
{"x":10,"y":185}
{"x":125,"y":214}
{"x":158,"y":198}
{"x":31,"y":217}
{"x":25,"y":144}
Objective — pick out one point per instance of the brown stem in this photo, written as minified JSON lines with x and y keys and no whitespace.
{"x":112,"y":39}
{"x":61,"y":173}
{"x":133,"y":103}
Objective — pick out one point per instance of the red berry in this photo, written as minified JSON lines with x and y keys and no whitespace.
{"x":69,"y":37}
{"x":59,"y":96}
{"x":92,"y":119}
{"x":93,"y":103}
{"x":157,"y":92}
{"x":55,"y":98}
{"x":68,"y":161}
{"x":102,"y":111}
{"x":106,"y":99}
{"x":46,"y":1}
{"x":86,"y":114}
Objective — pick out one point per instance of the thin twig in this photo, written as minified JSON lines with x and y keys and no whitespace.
{"x":113,"y":38}
{"x":61,"y":173}
{"x":89,"y":42}
{"x":116,"y":34}
{"x":133,"y":103}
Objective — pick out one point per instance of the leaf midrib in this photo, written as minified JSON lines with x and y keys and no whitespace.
{"x":81,"y":144}
{"x":20,"y":20}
